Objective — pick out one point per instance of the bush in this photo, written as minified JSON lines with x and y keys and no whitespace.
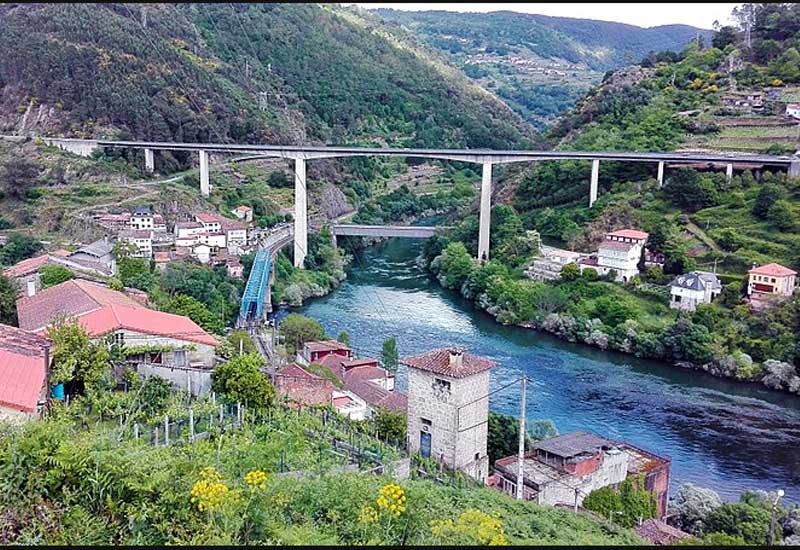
{"x":241,"y":380}
{"x":298,"y":329}
{"x":571,"y":272}
{"x":52,"y":275}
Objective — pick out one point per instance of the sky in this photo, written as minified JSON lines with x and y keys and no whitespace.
{"x":641,"y":14}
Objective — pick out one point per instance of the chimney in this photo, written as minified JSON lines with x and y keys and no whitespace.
{"x":456,"y":358}
{"x":31,"y":287}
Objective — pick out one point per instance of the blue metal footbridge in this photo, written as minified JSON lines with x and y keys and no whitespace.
{"x":256,"y":300}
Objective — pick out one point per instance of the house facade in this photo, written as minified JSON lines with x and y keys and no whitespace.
{"x":141,"y":238}
{"x":621,"y":251}
{"x":771,"y":279}
{"x":692,"y":289}
{"x":793,"y":110}
{"x":448,"y":409}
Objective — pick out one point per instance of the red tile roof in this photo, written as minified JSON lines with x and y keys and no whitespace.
{"x":26,"y":267}
{"x":146,"y":321}
{"x":360,"y":362}
{"x":161,"y":256}
{"x":377,"y":396}
{"x":303,"y":387}
{"x":61,"y":252}
{"x":438,"y":361}
{"x":616,"y":245}
{"x":773,"y":270}
{"x":629,"y":234}
{"x":205,"y":217}
{"x":326,"y":345}
{"x":71,"y":298}
{"x":659,"y":533}
{"x":368,"y":372}
{"x":23,"y":368}
{"x":296,"y":371}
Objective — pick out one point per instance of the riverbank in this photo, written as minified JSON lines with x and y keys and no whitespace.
{"x":609,"y":316}
{"x":718,"y":433}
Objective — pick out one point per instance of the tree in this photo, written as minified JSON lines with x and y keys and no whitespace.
{"x":614,"y":311}
{"x":456,"y":265}
{"x":692,"y":505}
{"x":76,"y":359}
{"x":767,"y":196}
{"x":52,"y":275}
{"x":687,"y":340}
{"x":691,"y":190}
{"x":8,"y":301}
{"x":570,"y":272}
{"x":724,"y":36}
{"x":298,"y":329}
{"x":389,"y":354}
{"x":135,"y":273}
{"x":241,"y":380}
{"x":781,"y":215}
{"x":390,"y":425}
{"x":18,"y":175}
{"x":19,"y":247}
{"x":197,"y":312}
{"x":626,"y":507}
{"x":344,"y":338}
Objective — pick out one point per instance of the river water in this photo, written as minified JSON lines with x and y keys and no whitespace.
{"x":724,"y":435}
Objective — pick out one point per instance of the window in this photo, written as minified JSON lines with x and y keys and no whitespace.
{"x":180,"y":357}
{"x":676,"y":298}
{"x":477,"y":457}
{"x":441,"y":388}
{"x":425,"y":421}
{"x":119,"y":338}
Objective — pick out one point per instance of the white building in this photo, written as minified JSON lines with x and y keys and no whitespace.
{"x":621,"y":251}
{"x":142,"y":238}
{"x":188,"y":229}
{"x":211,"y":222}
{"x":142,"y":218}
{"x":793,"y":110}
{"x":689,"y":290}
{"x":243,"y":212}
{"x":202,"y":252}
{"x":448,"y":409}
{"x":235,"y":236}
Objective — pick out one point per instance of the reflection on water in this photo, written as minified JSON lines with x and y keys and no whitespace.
{"x":721,"y":434}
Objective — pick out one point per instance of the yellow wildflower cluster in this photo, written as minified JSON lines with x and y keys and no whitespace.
{"x":368,"y":515}
{"x":476,"y":526}
{"x":256,"y":479}
{"x":210,"y":491}
{"x":392,"y":498}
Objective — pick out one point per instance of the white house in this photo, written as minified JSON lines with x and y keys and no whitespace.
{"x":691,"y":289}
{"x":243,"y":213}
{"x":793,"y":110}
{"x":211,"y":222}
{"x":202,"y":252}
{"x":214,"y":240}
{"x":621,"y":251}
{"x":142,"y":238}
{"x":142,"y":218}
{"x":235,"y":236}
{"x":188,"y":229}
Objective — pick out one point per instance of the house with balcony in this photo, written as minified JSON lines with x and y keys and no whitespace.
{"x":620,"y":251}
{"x":771,"y":280}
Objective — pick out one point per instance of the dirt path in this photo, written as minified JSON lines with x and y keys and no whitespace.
{"x":705,"y":239}
{"x":138,"y":186}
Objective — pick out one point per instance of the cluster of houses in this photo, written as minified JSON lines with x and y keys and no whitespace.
{"x":761,"y":101}
{"x":622,"y":251}
{"x":167,"y":345}
{"x":356,"y":387}
{"x":208,"y":237}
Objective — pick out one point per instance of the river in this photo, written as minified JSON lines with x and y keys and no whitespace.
{"x":724,"y":435}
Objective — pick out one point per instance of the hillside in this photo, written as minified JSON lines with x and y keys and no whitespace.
{"x":540,"y":65}
{"x":280,"y":73}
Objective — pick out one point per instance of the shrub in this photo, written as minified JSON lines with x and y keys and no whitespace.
{"x":52,"y":275}
{"x":241,"y":380}
{"x":571,"y":272}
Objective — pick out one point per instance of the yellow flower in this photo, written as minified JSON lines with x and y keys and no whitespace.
{"x":256,"y":479}
{"x":209,"y":492}
{"x":368,"y":515}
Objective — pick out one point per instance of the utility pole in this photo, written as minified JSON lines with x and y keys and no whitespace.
{"x":521,"y":454}
{"x":771,"y":534}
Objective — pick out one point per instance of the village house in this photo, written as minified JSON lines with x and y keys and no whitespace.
{"x":771,"y":279}
{"x":98,"y":255}
{"x":691,"y":289}
{"x":202,"y":252}
{"x":302,"y":388}
{"x":744,"y":100}
{"x":211,"y":222}
{"x":235,"y":236}
{"x":548,"y":267}
{"x":448,"y":409}
{"x":563,"y":470}
{"x":621,"y":251}
{"x":314,"y":352}
{"x":142,"y":218}
{"x":186,"y":230}
{"x":141,"y":238}
{"x":160,"y":260}
{"x":24,"y":374}
{"x":159,"y":338}
{"x":793,"y":110}
{"x":243,"y":212}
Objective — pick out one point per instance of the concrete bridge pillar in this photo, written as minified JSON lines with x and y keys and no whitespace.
{"x":149,"y":162}
{"x":205,"y":188}
{"x":660,"y":174}
{"x":486,"y":212}
{"x":300,"y":213}
{"x":593,"y":184}
{"x":794,"y":169}
{"x":729,"y":171}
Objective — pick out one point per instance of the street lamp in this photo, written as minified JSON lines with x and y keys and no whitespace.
{"x":771,"y":534}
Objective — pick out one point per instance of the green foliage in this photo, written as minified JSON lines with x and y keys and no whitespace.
{"x":456,"y":265}
{"x":750,"y":521}
{"x":613,"y":311}
{"x":219,"y":293}
{"x":75,"y":358}
{"x":390,"y":425}
{"x":344,"y":338}
{"x":570,"y":272}
{"x":767,"y":196}
{"x":18,"y":247}
{"x":52,"y":275}
{"x":691,"y":190}
{"x":298,"y":329}
{"x":18,"y":176}
{"x":625,"y":507}
{"x":136,"y":273}
{"x":8,"y":301}
{"x":196,"y":311}
{"x":781,"y":215}
{"x":389,"y":354}
{"x":241,"y":380}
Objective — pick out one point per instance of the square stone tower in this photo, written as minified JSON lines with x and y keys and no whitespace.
{"x":448,"y":409}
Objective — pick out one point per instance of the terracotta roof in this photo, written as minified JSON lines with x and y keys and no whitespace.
{"x":232,"y":225}
{"x":773,"y":270}
{"x":23,"y":368}
{"x":360,"y":362}
{"x":61,"y":253}
{"x":26,"y":267}
{"x":616,"y":245}
{"x":161,"y":256}
{"x":147,"y":321}
{"x":326,"y":345}
{"x":302,"y":386}
{"x":588,"y":261}
{"x":72,"y":298}
{"x":206,"y":217}
{"x":188,"y":225}
{"x":573,"y":444}
{"x":439,"y":362}
{"x":136,"y":234}
{"x":368,"y":372}
{"x":377,"y":396}
{"x":243,"y":208}
{"x":296,"y":371}
{"x":629,"y":234}
{"x":659,"y":533}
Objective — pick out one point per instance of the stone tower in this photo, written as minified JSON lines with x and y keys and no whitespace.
{"x":448,"y":409}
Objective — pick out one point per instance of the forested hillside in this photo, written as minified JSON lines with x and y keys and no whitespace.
{"x":284,"y":73}
{"x":540,"y":65}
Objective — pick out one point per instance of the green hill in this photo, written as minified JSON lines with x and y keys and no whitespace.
{"x":540,"y":65}
{"x":285,"y":73}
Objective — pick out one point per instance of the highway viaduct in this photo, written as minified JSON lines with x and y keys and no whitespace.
{"x":300,"y":154}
